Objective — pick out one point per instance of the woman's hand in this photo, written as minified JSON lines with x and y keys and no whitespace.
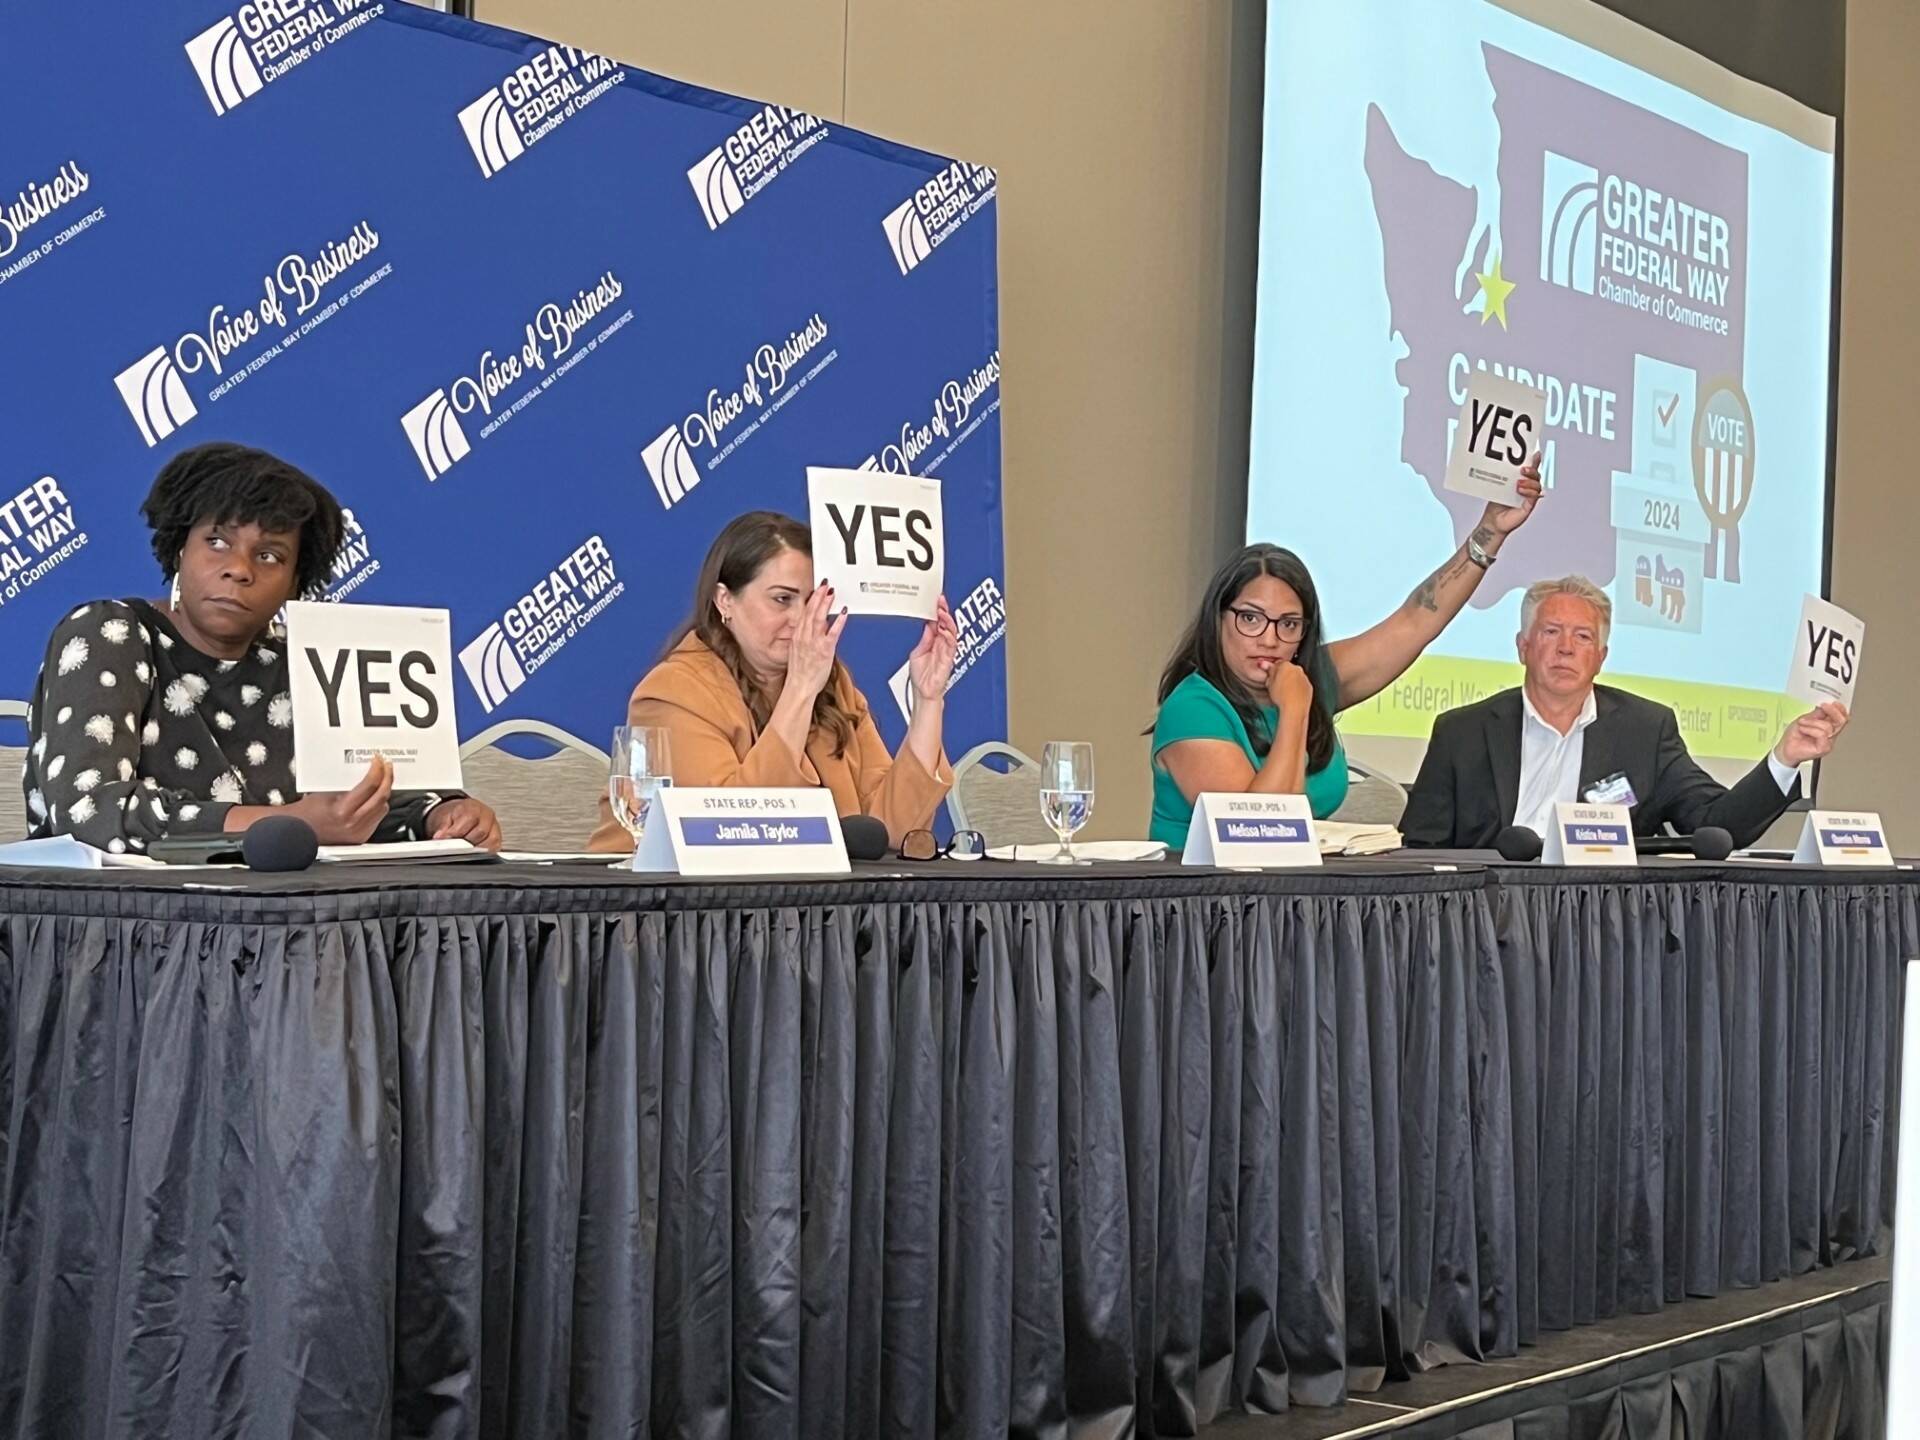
{"x":1503,"y":520}
{"x":465,"y":819}
{"x":930,"y":666}
{"x":1290,"y":688}
{"x":348,"y":817}
{"x":816,"y":639}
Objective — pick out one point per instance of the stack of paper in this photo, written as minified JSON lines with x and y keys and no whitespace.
{"x":63,"y":852}
{"x":1337,"y":838}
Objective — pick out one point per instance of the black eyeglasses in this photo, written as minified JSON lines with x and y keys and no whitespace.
{"x":924,"y":845}
{"x":1253,"y":623}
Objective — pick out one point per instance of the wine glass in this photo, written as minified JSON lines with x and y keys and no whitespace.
{"x":638,"y":770}
{"x":1066,"y":794}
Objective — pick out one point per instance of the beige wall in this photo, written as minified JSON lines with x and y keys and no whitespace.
{"x":1126,"y":136}
{"x":1877,"y":500}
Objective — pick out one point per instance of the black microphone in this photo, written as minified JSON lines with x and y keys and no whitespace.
{"x":866,"y":837}
{"x":1517,"y":842}
{"x":1710,"y":842}
{"x":279,"y":842}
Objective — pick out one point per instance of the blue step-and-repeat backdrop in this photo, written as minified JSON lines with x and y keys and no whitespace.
{"x":543,"y":322}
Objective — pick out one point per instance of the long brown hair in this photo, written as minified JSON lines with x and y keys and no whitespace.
{"x":1199,"y":651}
{"x":735,"y":560}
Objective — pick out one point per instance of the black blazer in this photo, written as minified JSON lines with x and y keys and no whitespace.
{"x":1470,"y":782}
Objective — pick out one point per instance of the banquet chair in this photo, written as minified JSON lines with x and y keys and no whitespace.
{"x":1372,"y":798}
{"x":1002,"y":804}
{"x":550,"y":802}
{"x":13,"y":759}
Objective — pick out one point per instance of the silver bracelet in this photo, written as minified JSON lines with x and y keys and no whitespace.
{"x":1477,"y":555}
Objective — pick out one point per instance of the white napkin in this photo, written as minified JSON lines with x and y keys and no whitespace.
{"x":1085,"y":850}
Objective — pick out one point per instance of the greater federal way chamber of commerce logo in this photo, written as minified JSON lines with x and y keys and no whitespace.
{"x":154,"y":387}
{"x":538,"y":625}
{"x":512,"y":378}
{"x":768,"y":385}
{"x":981,"y":619}
{"x":751,"y":159}
{"x":929,"y":217}
{"x":1569,"y":223}
{"x":540,"y":96}
{"x":240,"y":54}
{"x":155,"y":394}
{"x":435,"y":434}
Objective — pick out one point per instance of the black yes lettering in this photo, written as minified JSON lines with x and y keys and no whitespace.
{"x":1482,"y":417}
{"x":1522,"y":438}
{"x":329,"y":684}
{"x":901,"y":538}
{"x":413,"y":664}
{"x":370,"y":687}
{"x":849,"y":529}
{"x":885,"y":535}
{"x":1500,"y":433}
{"x":1828,"y":650}
{"x":920,"y":532}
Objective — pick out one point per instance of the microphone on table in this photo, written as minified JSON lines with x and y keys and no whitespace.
{"x":279,"y":842}
{"x":1517,"y":842}
{"x":1711,"y":842}
{"x":866,"y":837}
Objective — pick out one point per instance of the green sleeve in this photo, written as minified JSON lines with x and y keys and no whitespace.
{"x":1196,"y":711}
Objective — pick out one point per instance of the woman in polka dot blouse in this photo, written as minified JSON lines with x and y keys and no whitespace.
{"x":173,"y":718}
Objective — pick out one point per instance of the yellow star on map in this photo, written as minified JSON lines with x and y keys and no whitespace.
{"x":1495,"y":288}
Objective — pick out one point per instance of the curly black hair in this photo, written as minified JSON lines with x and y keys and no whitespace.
{"x":238,"y":485}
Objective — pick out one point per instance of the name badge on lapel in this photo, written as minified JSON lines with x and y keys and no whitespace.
{"x":1616,"y":789}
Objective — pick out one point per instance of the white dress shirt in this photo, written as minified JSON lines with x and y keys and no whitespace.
{"x":1550,"y":765}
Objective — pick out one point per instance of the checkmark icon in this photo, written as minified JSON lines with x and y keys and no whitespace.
{"x":1666,"y":404}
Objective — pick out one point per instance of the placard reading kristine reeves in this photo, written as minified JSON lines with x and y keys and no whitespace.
{"x":878,"y":539}
{"x":372,"y":680}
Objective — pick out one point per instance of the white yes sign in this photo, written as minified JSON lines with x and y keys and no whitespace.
{"x":878,"y":538}
{"x":372,"y":680}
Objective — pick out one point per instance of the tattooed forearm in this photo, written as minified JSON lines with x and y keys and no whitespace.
{"x":1483,"y":536}
{"x":1426,"y":595}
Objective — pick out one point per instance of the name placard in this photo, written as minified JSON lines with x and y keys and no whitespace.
{"x":729,"y":831}
{"x":1590,"y":835}
{"x":1839,"y":837}
{"x":1269,"y":831}
{"x":371,"y":680}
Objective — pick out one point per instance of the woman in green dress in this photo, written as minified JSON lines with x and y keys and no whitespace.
{"x":1248,"y":698}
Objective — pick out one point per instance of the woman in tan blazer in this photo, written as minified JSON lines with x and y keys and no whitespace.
{"x":752,"y":693}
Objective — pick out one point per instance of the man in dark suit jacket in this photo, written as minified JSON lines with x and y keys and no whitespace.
{"x":1508,"y":758}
